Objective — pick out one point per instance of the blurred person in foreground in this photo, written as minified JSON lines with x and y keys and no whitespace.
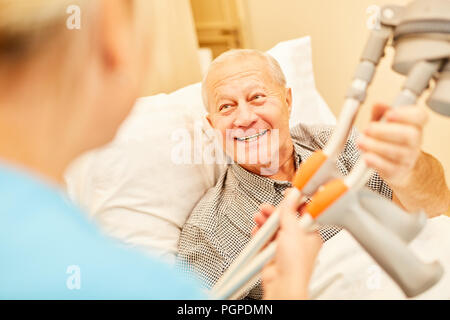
{"x":63,"y":92}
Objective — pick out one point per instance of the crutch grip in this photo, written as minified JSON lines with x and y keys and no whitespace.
{"x":406,"y":225}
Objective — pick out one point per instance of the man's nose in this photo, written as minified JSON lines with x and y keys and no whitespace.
{"x":245,"y":116}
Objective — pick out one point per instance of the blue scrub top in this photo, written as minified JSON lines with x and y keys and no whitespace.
{"x":50,"y":250}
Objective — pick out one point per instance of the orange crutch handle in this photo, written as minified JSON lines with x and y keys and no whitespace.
{"x":308,"y":168}
{"x":325,"y":197}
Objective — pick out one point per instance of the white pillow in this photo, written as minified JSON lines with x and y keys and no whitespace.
{"x":344,"y":270}
{"x":295,"y":59}
{"x":133,"y":187}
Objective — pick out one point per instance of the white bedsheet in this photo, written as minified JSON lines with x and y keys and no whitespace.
{"x":345,"y":271}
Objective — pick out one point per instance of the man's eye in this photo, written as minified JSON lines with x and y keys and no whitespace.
{"x":257,"y":96}
{"x":224,"y":107}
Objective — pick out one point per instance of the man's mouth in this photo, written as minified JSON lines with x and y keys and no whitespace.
{"x":252,"y":137}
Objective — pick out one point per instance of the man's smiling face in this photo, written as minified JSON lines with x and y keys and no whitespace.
{"x":249,"y":108}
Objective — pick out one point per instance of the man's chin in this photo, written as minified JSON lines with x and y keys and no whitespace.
{"x":261,"y":169}
{"x":256,"y":158}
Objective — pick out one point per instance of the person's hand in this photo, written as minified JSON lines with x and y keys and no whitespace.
{"x":265,"y":211}
{"x":392,"y":147}
{"x":287,"y":275}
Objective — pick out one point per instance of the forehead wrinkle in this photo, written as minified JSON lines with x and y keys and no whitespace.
{"x":233,"y":69}
{"x":255,"y":81}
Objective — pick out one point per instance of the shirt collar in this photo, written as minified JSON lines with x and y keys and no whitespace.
{"x":248,"y":180}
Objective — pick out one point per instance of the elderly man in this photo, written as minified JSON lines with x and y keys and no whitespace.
{"x":248,"y":103}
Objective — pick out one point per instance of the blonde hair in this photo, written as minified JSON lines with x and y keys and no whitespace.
{"x":23,"y":21}
{"x":274,"y":67}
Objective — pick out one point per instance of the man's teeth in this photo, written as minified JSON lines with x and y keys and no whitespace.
{"x":253,"y":137}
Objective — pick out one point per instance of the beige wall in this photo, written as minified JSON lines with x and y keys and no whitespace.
{"x":338,"y":30}
{"x":174,"y":62}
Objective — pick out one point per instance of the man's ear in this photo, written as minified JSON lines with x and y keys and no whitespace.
{"x":113,"y":37}
{"x":289,"y":99}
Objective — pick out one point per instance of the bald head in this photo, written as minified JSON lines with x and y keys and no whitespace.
{"x":237,"y":61}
